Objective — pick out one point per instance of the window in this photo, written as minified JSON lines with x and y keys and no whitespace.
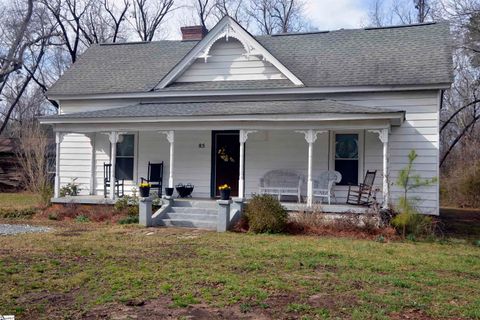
{"x":125,"y":157}
{"x":346,"y":157}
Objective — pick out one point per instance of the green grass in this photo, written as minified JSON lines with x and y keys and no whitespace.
{"x":20,"y":200}
{"x":82,"y":267}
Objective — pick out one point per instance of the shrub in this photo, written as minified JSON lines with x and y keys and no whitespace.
{"x":460,"y":186}
{"x":131,"y":219}
{"x":127,"y":204}
{"x":266,"y":214}
{"x":414,"y":224}
{"x":17,"y":213}
{"x":71,"y":189}
{"x":82,"y":218}
{"x":409,"y":221}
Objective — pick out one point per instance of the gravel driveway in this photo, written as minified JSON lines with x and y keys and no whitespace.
{"x":10,"y":229}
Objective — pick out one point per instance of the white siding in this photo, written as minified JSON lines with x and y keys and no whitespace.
{"x":191,"y":163}
{"x":228,"y":62}
{"x":419,"y":132}
{"x":75,"y":161}
{"x":276,"y":149}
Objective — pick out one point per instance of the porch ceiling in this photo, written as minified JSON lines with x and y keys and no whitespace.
{"x":284,"y":110}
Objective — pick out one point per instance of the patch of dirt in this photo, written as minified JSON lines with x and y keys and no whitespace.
{"x":160,"y":308}
{"x":414,"y":314}
{"x":332,"y":301}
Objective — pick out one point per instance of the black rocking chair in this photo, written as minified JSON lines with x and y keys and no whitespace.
{"x":119,"y":184}
{"x":155,"y":177}
{"x":360,"y":195}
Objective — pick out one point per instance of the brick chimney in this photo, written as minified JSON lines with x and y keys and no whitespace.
{"x":193,"y":33}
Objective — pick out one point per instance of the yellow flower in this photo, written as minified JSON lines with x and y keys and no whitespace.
{"x":224,"y":187}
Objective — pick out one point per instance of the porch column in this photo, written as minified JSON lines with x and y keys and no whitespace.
{"x":171,"y":139}
{"x":92,"y":164}
{"x":241,"y":173}
{"x":113,"y":137}
{"x":310,"y":137}
{"x":383,"y":136}
{"x":58,"y":140}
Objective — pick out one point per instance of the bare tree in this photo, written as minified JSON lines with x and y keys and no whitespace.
{"x":232,"y":8}
{"x":67,"y":15}
{"x":261,"y":14}
{"x":34,"y":157}
{"x":116,"y":18}
{"x":396,"y":12}
{"x":148,"y":17}
{"x":13,"y":59}
{"x":288,"y":15}
{"x":278,"y":16}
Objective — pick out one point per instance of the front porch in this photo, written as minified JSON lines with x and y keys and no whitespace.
{"x":303,"y":138}
{"x":290,"y":206}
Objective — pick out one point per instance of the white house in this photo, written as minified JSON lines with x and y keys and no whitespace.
{"x":228,"y":107}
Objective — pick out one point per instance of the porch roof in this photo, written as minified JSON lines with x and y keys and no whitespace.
{"x":251,"y":110}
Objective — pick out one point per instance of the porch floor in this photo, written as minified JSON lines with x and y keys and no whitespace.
{"x":291,"y":206}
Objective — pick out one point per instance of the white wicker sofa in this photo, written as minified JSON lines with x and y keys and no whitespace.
{"x":282,"y":183}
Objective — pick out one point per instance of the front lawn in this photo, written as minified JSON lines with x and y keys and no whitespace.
{"x":19,"y":200}
{"x":88,"y":271}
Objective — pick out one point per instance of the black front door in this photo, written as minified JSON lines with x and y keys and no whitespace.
{"x":225,"y":160}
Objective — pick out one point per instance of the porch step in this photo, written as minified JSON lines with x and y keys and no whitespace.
{"x":195,"y":203}
{"x":194,"y":210}
{"x":208,"y":217}
{"x":190,"y":213}
{"x":189,"y":224}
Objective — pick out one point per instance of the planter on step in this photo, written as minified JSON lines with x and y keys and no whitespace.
{"x":168,"y":192}
{"x":225,"y":194}
{"x":144,"y":192}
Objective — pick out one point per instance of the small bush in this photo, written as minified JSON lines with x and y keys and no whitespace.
{"x":19,"y":213}
{"x":71,"y":189}
{"x":82,"y":218}
{"x":46,"y":193}
{"x":266,"y":214}
{"x":414,"y":225}
{"x":131,"y":219}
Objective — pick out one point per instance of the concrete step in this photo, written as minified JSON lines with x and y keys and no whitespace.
{"x":212,"y":204}
{"x":190,"y":216}
{"x":193,"y":210}
{"x":188,"y":224}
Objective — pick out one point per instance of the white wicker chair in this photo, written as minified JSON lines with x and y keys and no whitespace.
{"x":281,"y":183}
{"x":323,"y":187}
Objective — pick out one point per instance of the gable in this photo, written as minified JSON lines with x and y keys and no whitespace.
{"x":226,"y":30}
{"x":228,"y":61}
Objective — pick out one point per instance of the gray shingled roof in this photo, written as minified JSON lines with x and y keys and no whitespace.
{"x":408,"y":55}
{"x":219,"y":108}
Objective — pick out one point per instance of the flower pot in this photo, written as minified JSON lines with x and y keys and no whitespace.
{"x":225,"y":194}
{"x":168,"y":192}
{"x":144,"y":192}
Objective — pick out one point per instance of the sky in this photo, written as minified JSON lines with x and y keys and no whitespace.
{"x":337,"y":14}
{"x":323,"y":15}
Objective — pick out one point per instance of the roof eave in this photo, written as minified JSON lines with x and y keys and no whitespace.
{"x":240,"y":92}
{"x":396,"y":118}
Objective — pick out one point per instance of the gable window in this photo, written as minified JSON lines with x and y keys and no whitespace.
{"x":347,"y":157}
{"x":125,"y":157}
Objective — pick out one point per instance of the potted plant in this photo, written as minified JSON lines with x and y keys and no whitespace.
{"x":144,"y":188}
{"x":225,"y":191}
{"x":168,"y":191}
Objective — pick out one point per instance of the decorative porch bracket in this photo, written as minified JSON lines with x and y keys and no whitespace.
{"x":383,"y":136}
{"x":171,"y":139}
{"x":310,"y":137}
{"x":58,"y":140}
{"x":241,"y":176}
